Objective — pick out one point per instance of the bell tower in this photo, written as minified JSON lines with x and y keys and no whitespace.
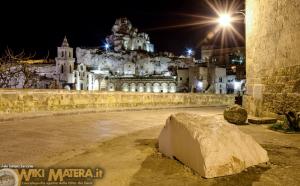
{"x":65,"y":64}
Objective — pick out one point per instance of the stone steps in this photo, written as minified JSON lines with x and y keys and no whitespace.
{"x":262,"y":120}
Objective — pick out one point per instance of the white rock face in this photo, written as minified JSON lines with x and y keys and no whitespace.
{"x":209,"y":145}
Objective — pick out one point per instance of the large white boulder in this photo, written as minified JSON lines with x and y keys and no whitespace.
{"x":209,"y":145}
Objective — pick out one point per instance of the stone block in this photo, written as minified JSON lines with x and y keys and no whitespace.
{"x":209,"y":145}
{"x":235,"y":114}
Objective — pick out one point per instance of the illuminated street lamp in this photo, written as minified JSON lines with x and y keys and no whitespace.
{"x":225,"y":20}
{"x":189,"y":52}
{"x":106,"y":46}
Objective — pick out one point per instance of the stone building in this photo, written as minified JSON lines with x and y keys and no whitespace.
{"x":233,"y":59}
{"x":273,"y":58}
{"x":71,"y":75}
{"x":205,"y":79}
{"x":183,"y":80}
{"x":126,"y":37}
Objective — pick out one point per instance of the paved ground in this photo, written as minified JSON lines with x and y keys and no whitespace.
{"x":124,"y":144}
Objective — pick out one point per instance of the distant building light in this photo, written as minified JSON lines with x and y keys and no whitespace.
{"x":200,"y":85}
{"x":237,"y":85}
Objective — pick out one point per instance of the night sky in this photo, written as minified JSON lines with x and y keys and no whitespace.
{"x":41,"y":25}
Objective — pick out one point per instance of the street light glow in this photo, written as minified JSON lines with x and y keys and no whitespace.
{"x":189,"y":52}
{"x":106,"y":46}
{"x":225,"y":20}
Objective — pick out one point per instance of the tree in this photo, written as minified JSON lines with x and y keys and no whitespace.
{"x":15,"y":71}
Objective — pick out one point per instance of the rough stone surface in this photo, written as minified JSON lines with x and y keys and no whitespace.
{"x":20,"y":101}
{"x":235,"y":114}
{"x":273,"y":57}
{"x":209,"y":145}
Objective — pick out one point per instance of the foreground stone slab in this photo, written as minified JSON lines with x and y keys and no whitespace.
{"x":263,"y":120}
{"x":209,"y":145}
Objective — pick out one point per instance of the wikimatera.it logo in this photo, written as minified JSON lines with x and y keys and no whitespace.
{"x":29,"y":175}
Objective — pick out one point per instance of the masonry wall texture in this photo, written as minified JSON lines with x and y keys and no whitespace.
{"x":19,"y":101}
{"x":273,"y":56}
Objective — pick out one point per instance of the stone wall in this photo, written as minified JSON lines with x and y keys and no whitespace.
{"x":273,"y":56}
{"x":19,"y":101}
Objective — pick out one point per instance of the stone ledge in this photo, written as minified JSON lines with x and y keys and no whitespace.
{"x":262,"y":120}
{"x":36,"y":101}
{"x":31,"y":115}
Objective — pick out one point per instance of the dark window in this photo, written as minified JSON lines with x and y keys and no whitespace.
{"x":70,"y":54}
{"x":180,"y":78}
{"x":62,"y":69}
{"x":62,"y":53}
{"x":220,"y":79}
{"x":70,"y":68}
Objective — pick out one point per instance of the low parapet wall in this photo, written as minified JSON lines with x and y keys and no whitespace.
{"x":25,"y":101}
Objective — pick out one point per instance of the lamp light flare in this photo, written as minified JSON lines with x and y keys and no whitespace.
{"x":225,"y":20}
{"x":189,"y":52}
{"x":106,"y":46}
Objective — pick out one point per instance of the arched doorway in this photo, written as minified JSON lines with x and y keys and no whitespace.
{"x":148,"y":87}
{"x":172,"y":87}
{"x":132,"y":87}
{"x":140,"y":87}
{"x":164,"y":87}
{"x":125,"y":87}
{"x":156,"y":87}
